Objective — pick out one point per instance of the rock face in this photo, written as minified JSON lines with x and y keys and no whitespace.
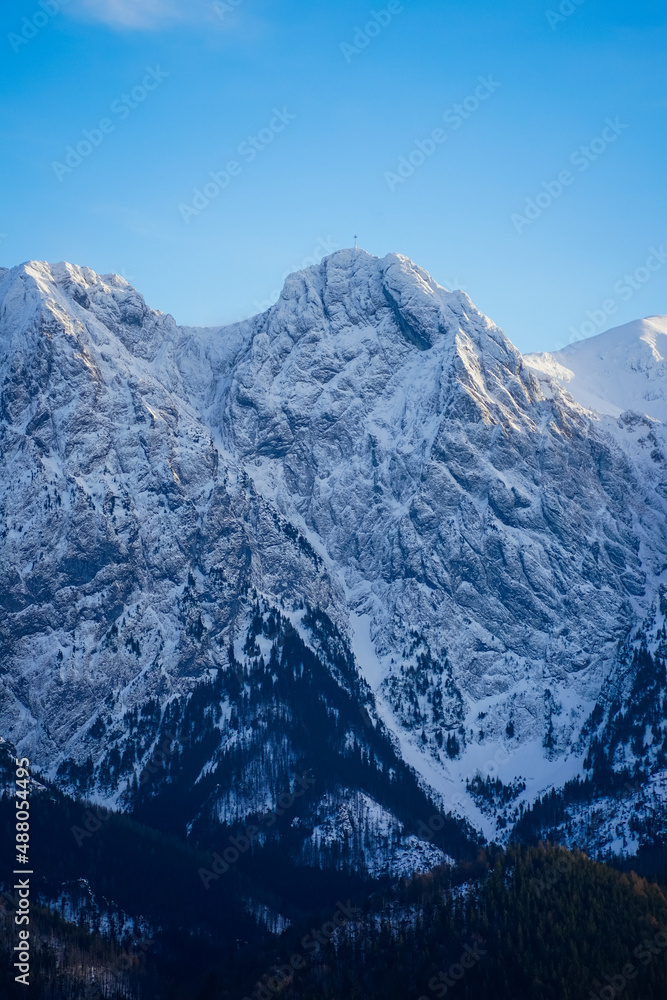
{"x":494,"y":535}
{"x":373,"y":447}
{"x":118,"y":508}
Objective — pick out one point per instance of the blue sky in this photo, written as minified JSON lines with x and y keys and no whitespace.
{"x":332,"y":99}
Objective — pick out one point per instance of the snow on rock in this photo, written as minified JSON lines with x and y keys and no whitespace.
{"x":484,"y":528}
{"x":622,"y":369}
{"x":353,"y":824}
{"x":490,"y":533}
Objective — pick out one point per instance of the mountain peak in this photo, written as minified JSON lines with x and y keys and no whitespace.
{"x":62,"y":274}
{"x":352,"y":288}
{"x":37,"y":296}
{"x":624,"y":368}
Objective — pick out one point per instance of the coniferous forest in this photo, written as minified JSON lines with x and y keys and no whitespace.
{"x":541,"y":923}
{"x":134,"y":905}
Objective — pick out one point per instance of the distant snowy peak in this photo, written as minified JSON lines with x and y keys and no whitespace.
{"x":622,"y":369}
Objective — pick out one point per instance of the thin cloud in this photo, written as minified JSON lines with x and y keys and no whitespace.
{"x":143,"y":14}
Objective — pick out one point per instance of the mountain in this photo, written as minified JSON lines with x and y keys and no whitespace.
{"x":358,"y":536}
{"x":622,"y":369}
{"x":157,"y":608}
{"x":495,"y":542}
{"x":620,"y":805}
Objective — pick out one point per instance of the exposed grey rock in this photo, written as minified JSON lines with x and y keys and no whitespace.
{"x":373,"y":445}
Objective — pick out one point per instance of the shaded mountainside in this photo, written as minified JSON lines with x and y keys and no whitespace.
{"x":542,"y":924}
{"x":545,"y":924}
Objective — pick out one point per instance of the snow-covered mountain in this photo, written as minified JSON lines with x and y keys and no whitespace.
{"x":622,"y":369}
{"x":354,"y":533}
